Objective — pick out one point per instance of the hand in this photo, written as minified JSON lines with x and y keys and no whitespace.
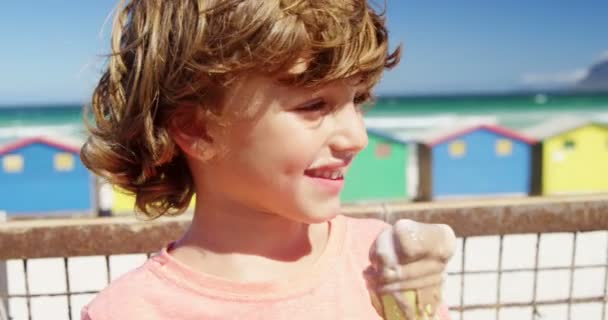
{"x":412,"y":256}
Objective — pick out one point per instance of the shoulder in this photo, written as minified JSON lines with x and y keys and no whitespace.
{"x":126,"y":296}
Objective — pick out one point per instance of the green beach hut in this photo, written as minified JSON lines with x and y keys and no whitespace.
{"x":380,"y":171}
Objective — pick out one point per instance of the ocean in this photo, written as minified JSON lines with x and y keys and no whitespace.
{"x":404,"y":116}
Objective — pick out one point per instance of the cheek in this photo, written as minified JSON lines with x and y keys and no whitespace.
{"x":299,"y":154}
{"x":263,"y":161}
{"x":285,"y":150}
{"x":281,"y":158}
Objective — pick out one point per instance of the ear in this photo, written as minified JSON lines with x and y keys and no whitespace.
{"x":196,"y":144}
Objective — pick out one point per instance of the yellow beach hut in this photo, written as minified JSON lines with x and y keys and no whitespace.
{"x":571,"y":156}
{"x":124,"y":202}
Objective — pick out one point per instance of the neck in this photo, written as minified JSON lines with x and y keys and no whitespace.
{"x":231,"y":241}
{"x":251,"y":232}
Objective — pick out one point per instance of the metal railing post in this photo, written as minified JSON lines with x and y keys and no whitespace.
{"x":3,"y":281}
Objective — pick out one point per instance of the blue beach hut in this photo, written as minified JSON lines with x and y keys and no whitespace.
{"x":44,"y":176}
{"x":474,"y":161}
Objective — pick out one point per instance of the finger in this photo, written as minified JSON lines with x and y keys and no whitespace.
{"x":374,"y":278}
{"x":411,"y":271}
{"x":423,"y":282}
{"x":371,"y":276}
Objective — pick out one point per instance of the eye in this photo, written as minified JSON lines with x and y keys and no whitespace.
{"x":362,"y":98}
{"x":362,"y":101}
{"x":313,"y":106}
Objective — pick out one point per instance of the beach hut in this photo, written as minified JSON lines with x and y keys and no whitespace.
{"x":571,"y":156}
{"x":44,"y":176}
{"x":474,"y":161}
{"x":380,"y":171}
{"x":124,"y":202}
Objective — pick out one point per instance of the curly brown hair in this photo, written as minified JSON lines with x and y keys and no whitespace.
{"x":172,"y":59}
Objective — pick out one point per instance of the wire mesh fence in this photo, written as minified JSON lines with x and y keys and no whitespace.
{"x":500,"y":270}
{"x":532,"y":276}
{"x":57,"y":288}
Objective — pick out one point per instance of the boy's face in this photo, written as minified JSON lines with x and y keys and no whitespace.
{"x":288,"y":149}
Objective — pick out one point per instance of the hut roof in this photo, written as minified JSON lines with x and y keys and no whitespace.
{"x":62,"y":143}
{"x":388,"y":136}
{"x":557,"y":126}
{"x":438,"y":136}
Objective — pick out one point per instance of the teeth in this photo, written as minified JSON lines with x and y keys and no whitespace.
{"x":327,"y":174}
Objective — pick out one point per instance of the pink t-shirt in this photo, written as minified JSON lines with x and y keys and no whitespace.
{"x":334,"y":288}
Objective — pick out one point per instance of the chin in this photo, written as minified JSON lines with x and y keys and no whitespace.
{"x":320,"y":214}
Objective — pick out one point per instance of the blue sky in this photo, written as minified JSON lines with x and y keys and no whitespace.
{"x":51,"y":50}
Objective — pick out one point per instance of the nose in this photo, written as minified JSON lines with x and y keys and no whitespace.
{"x":350,"y":135}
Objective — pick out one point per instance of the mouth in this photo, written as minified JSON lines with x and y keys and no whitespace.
{"x":327,"y":174}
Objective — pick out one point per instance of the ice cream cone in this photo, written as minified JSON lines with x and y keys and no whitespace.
{"x":395,"y":304}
